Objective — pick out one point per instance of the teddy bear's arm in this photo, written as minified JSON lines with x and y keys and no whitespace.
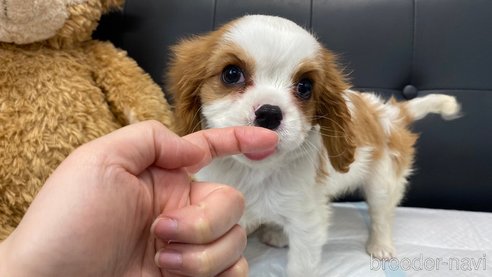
{"x":131,"y":93}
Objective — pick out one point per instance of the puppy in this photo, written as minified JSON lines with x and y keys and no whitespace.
{"x":267,"y":71}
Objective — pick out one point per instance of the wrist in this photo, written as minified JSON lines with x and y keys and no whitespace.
{"x":13,"y":260}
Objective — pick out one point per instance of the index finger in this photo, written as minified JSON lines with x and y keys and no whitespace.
{"x":230,"y":141}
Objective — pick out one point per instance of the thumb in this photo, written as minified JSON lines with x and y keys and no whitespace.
{"x":138,"y":146}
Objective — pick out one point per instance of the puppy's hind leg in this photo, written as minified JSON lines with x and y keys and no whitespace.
{"x":273,"y":235}
{"x":384,"y":192}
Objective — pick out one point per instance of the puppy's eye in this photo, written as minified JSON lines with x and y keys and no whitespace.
{"x":304,"y":89}
{"x":233,"y":75}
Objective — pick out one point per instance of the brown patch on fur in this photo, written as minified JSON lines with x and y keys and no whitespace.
{"x":194,"y":77}
{"x":369,"y":132}
{"x":186,"y":75}
{"x":333,"y":116}
{"x":401,"y":144}
{"x":401,"y":141}
{"x":367,"y":129}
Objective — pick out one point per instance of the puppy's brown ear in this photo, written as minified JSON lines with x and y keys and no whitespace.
{"x":186,"y":74}
{"x":334,"y":117}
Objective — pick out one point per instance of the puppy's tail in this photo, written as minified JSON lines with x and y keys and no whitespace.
{"x":445,"y":105}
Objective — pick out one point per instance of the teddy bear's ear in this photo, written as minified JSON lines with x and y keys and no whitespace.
{"x":109,"y":5}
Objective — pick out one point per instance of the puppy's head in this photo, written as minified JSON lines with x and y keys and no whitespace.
{"x":263,"y":71}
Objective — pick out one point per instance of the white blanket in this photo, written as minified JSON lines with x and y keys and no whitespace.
{"x":429,"y":242}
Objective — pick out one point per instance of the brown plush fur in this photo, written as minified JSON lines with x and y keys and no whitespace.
{"x":58,"y":94}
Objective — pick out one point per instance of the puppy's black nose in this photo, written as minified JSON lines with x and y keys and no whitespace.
{"x":268,"y":116}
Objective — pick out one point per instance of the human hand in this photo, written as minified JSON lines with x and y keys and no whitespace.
{"x":93,"y":216}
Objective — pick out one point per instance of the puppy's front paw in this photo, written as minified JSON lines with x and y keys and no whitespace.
{"x":273,"y":235}
{"x":382,"y":251}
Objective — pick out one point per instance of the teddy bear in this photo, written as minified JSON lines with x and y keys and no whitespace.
{"x":59,"y":88}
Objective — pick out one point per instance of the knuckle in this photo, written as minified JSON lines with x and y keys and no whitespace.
{"x":202,"y":264}
{"x":239,"y":269}
{"x":202,"y":227}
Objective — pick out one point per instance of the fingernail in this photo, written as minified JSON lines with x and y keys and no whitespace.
{"x":169,"y":259}
{"x":165,"y":228}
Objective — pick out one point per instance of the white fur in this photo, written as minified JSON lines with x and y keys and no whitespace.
{"x":445,"y":105}
{"x":281,"y":190}
{"x":277,"y":56}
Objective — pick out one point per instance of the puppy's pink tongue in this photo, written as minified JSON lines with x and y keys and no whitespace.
{"x":257,"y":156}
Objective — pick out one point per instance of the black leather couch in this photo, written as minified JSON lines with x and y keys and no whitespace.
{"x":404,"y":48}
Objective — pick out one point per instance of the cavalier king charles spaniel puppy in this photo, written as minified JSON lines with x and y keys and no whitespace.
{"x":267,"y":71}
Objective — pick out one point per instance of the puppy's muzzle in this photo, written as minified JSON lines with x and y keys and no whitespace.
{"x":268,"y":116}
